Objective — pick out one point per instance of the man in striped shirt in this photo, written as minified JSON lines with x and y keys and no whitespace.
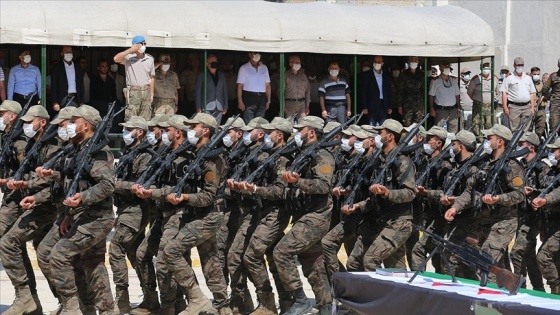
{"x":334,"y":96}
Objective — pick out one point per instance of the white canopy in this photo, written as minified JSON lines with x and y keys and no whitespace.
{"x":317,"y":27}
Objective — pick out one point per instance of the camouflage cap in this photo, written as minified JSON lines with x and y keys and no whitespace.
{"x":310,"y":121}
{"x":90,"y":114}
{"x":238,"y":123}
{"x":35,"y":111}
{"x":158,"y":119}
{"x":555,"y":144}
{"x":421,"y":129}
{"x":530,"y":137}
{"x":9,"y":105}
{"x":465,"y":137}
{"x":176,"y":121}
{"x":279,"y":123}
{"x":351,"y":130}
{"x":364,"y":134}
{"x":500,"y":131}
{"x":135,"y":122}
{"x":255,"y":123}
{"x":438,"y":132}
{"x":330,"y":126}
{"x":65,"y":113}
{"x":369,"y":128}
{"x":203,"y":118}
{"x":392,"y":125}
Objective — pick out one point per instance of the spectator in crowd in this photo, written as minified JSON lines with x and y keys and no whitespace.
{"x":410,"y":93}
{"x":83,"y":63}
{"x":24,"y":78}
{"x":3,"y":65}
{"x":216,"y":90}
{"x":166,"y":97}
{"x":334,"y":96}
{"x":314,"y":83}
{"x":375,"y":94}
{"x":499,"y":109}
{"x":540,"y":113}
{"x":298,"y":94}
{"x":231,"y":82}
{"x":102,"y":87}
{"x":553,"y":91}
{"x":2,"y":85}
{"x":67,"y":80}
{"x":119,"y":81}
{"x":444,"y":98}
{"x":253,"y":88}
{"x":518,"y":95}
{"x":466,"y":101}
{"x":188,"y":81}
{"x":480,"y":91}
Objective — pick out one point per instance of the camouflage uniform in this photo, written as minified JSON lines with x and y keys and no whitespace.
{"x":165,"y":92}
{"x":479,"y":90}
{"x":540,"y":113}
{"x":410,"y":96}
{"x":139,"y":73}
{"x":552,"y":93}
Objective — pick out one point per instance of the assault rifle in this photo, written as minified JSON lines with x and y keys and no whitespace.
{"x":463,"y":170}
{"x":266,"y":163}
{"x":251,"y":158}
{"x":540,"y":152}
{"x":351,"y":166}
{"x":15,"y":131}
{"x":474,"y":258}
{"x":436,"y":162}
{"x":121,"y":168}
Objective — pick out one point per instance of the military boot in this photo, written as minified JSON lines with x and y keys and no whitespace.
{"x":39,"y":309}
{"x":71,"y":306}
{"x":122,"y":302}
{"x":301,"y":304}
{"x":325,"y":309}
{"x":285,"y":305}
{"x":149,"y":305}
{"x":555,"y":289}
{"x":248,"y":300}
{"x":167,"y":310}
{"x":267,"y":304}
{"x":198,"y":303}
{"x":23,"y":303}
{"x":237,"y":303}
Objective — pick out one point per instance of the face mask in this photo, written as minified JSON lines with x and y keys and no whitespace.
{"x":333,"y":73}
{"x":552,"y":158}
{"x":114,"y":68}
{"x":467,"y":77}
{"x":191,"y":137}
{"x":268,"y":141}
{"x":71,"y":129}
{"x":364,"y":69}
{"x":411,"y":142}
{"x":447,"y":71}
{"x":298,"y":139}
{"x":127,"y":137}
{"x":519,"y":70}
{"x":142,"y":49}
{"x":257,"y":57}
{"x":345,"y":145}
{"x":536,"y":78}
{"x":214,"y":65}
{"x":28,"y":130}
{"x":413,"y":65}
{"x":165,"y":67}
{"x":377,"y":66}
{"x":165,"y":138}
{"x":63,"y":134}
{"x":517,"y":148}
{"x":378,"y":142}
{"x":2,"y":124}
{"x":486,"y":71}
{"x":227,"y":141}
{"x":487,"y":148}
{"x":359,"y":147}
{"x":296,"y":66}
{"x":312,"y":78}
{"x":451,"y":153}
{"x":68,"y":57}
{"x":428,"y":149}
{"x":27,"y":59}
{"x":502,"y":76}
{"x":247,"y":138}
{"x":152,"y":138}
{"x":396,"y":73}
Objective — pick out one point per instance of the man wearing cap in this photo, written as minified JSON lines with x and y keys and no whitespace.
{"x":498,"y":211}
{"x":31,"y":224}
{"x":552,"y":87}
{"x":523,"y":255}
{"x":67,"y":80}
{"x":166,"y":91}
{"x":23,"y":79}
{"x":444,"y":98}
{"x":88,"y":218}
{"x":253,"y":88}
{"x":518,"y":95}
{"x":140,"y":72}
{"x":410,"y":93}
{"x":274,"y":221}
{"x":548,"y":253}
{"x":308,"y":198}
{"x":466,"y":101}
{"x":480,"y":91}
{"x":215,"y":95}
{"x":298,"y":92}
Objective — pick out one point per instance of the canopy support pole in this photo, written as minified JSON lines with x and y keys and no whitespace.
{"x":282,"y":87}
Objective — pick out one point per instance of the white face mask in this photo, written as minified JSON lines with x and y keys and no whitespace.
{"x":411,"y":142}
{"x":28,"y":130}
{"x":312,"y":77}
{"x":152,"y":138}
{"x":345,"y":144}
{"x":296,"y":66}
{"x":487,"y":148}
{"x":68,"y":57}
{"x":2,"y":124}
{"x":519,"y":70}
{"x":451,"y":153}
{"x":227,"y":141}
{"x":165,"y":138}
{"x":552,"y":158}
{"x":27,"y":59}
{"x":247,"y":138}
{"x":378,"y":142}
{"x":377,"y":66}
{"x":71,"y":129}
{"x":486,"y":71}
{"x":364,"y":69}
{"x":447,"y":71}
{"x":268,"y":141}
{"x":165,"y":67}
{"x":127,"y":137}
{"x":142,"y":49}
{"x":297,"y":139}
{"x":191,"y":137}
{"x":536,"y":78}
{"x":257,"y":58}
{"x":428,"y":149}
{"x":114,"y":68}
{"x":413,"y":65}
{"x":333,"y":73}
{"x":63,"y":134}
{"x":502,"y":76}
{"x":396,"y":73}
{"x":467,"y":77}
{"x":359,"y":147}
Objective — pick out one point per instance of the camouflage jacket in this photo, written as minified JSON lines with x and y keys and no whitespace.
{"x":410,"y":89}
{"x":274,"y":189}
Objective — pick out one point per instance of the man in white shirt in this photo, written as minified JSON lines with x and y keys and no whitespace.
{"x":253,"y":88}
{"x":518,"y":95}
{"x":444,"y":98}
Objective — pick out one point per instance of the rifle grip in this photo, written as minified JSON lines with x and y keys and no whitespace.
{"x":483,"y":278}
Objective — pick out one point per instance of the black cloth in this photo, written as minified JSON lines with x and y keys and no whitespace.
{"x":102,"y":93}
{"x":59,"y":83}
{"x":22,"y":100}
{"x":369,"y":96}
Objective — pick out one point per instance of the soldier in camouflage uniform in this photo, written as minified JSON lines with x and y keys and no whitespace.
{"x":88,"y":218}
{"x":547,"y":257}
{"x":539,"y":121}
{"x":391,"y":204}
{"x":133,"y":213}
{"x":480,"y":91}
{"x":33,"y":224}
{"x":552,"y":93}
{"x":308,"y":196}
{"x":498,"y":213}
{"x":410,"y":93}
{"x":273,"y":221}
{"x":166,"y":90}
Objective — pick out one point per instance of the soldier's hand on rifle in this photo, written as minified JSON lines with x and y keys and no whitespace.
{"x":290,"y":177}
{"x":489,"y":199}
{"x":447,"y":200}
{"x":174,"y":200}
{"x":420,"y":190}
{"x":450,"y":214}
{"x":538,"y":202}
{"x":73,"y":201}
{"x":528,"y":190}
{"x":379,"y":190}
{"x":144,"y":193}
{"x":134,"y":189}
{"x":65,"y":225}
{"x":230,"y":183}
{"x":248,"y":186}
{"x":43,"y":172}
{"x":27,"y":202}
{"x":3,"y":182}
{"x":350,"y":209}
{"x":17,"y":184}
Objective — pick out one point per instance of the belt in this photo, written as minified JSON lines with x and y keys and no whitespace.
{"x":139,"y":88}
{"x":25,"y":96}
{"x":72,"y":94}
{"x":444,"y":107}
{"x":254,"y":93}
{"x":295,"y":99}
{"x":517,"y":103}
{"x":336,"y":104}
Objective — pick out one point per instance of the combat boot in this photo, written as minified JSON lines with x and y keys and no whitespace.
{"x":71,"y":306}
{"x":237,"y":303}
{"x":149,"y":305}
{"x":285,"y":305}
{"x":23,"y":303}
{"x":248,"y":300}
{"x":122,"y":302}
{"x":267,"y":304}
{"x":555,"y":289}
{"x":198,"y":303}
{"x":301,"y":304}
{"x":167,"y":310}
{"x":325,"y":309}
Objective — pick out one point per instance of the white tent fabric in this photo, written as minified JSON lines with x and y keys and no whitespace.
{"x":317,"y":27}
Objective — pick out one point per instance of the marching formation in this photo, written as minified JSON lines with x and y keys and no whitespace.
{"x":232,"y":190}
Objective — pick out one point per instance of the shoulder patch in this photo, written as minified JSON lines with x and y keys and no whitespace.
{"x":517,"y":181}
{"x":210,"y":177}
{"x":325,"y":169}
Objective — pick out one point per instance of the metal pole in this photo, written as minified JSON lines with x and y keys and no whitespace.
{"x":282,"y":84}
{"x":355,"y":99}
{"x":426,"y":88}
{"x":205,"y":76}
{"x":44,"y":75}
{"x":492,"y":87}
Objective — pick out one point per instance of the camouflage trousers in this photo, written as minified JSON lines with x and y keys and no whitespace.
{"x":554,"y":114}
{"x":457,"y":232}
{"x":129,"y":234}
{"x":549,"y":257}
{"x":495,"y":237}
{"x":267,"y":234}
{"x":138,"y":105}
{"x":228,"y":230}
{"x":85,"y":239}
{"x":417,"y":218}
{"x":304,"y":240}
{"x":145,"y":253}
{"x":413,"y":114}
{"x":540,"y":122}
{"x":425,"y":245}
{"x":237,"y":270}
{"x":386,"y":246}
{"x":164,"y":106}
{"x":523,"y":254}
{"x":481,"y":118}
{"x":200,"y":233}
{"x":345,"y":233}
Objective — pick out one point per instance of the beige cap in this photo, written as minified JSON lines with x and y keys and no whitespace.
{"x":518,"y":61}
{"x":203,"y":118}
{"x":35,"y":111}
{"x":364,"y":134}
{"x":279,"y":123}
{"x":65,"y":113}
{"x":11,"y":106}
{"x":504,"y":67}
{"x":311,"y":121}
{"x":392,"y":125}
{"x":135,"y":122}
{"x":500,"y":131}
{"x":175,"y":121}
{"x":158,"y":119}
{"x":530,"y":137}
{"x":89,"y":113}
{"x":351,"y":131}
{"x":421,"y":129}
{"x":555,"y":144}
{"x":165,"y":58}
{"x":238,"y":123}
{"x":465,"y":70}
{"x":438,"y":132}
{"x":255,"y":123}
{"x":330,"y":126}
{"x":466,"y":138}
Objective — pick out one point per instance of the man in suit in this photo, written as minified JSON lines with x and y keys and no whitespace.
{"x":375,"y":93}
{"x":67,"y":80}
{"x":216,"y":90}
